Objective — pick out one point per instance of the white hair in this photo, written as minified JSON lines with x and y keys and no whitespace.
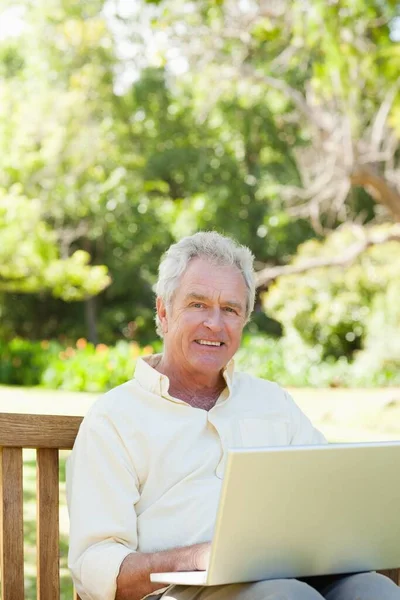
{"x":214,"y":247}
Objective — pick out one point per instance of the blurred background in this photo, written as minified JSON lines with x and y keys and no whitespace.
{"x":125,"y":125}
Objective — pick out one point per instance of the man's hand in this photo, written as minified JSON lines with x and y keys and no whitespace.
{"x":133,"y":581}
{"x":201,"y":556}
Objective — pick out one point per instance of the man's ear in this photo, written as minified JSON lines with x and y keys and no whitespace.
{"x":162,"y":314}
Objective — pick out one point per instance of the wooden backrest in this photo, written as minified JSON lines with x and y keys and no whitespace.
{"x":47,"y":434}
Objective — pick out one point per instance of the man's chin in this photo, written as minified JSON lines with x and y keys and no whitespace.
{"x":209,"y":364}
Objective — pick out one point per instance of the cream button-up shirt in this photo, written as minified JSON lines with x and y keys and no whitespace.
{"x":146,"y":469}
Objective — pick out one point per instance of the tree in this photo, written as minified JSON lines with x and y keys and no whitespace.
{"x":334,"y":66}
{"x":338,"y":308}
{"x":29,"y":255}
{"x":67,"y":144}
{"x":235,"y":142}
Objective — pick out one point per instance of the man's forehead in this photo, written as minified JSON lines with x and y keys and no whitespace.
{"x":203,"y":278}
{"x":206,"y":272}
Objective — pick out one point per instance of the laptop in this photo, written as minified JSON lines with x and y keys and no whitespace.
{"x":299,"y":511}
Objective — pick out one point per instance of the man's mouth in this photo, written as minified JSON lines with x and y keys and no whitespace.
{"x":209,"y":343}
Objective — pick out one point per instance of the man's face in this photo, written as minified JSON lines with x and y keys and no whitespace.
{"x":203,"y":326}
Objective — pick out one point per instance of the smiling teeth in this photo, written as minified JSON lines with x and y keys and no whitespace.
{"x":205,"y":343}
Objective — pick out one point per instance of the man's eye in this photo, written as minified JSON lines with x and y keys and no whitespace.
{"x":230,"y":309}
{"x":197,"y":305}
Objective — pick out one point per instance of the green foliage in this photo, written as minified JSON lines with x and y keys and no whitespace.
{"x":290,"y":362}
{"x":84,"y":367}
{"x":76,"y":367}
{"x":93,"y":167}
{"x":261,"y":356}
{"x":381,"y":356}
{"x":71,"y":168}
{"x":91,"y":368}
{"x":327,"y":72}
{"x":22,"y":362}
{"x":29,"y":257}
{"x":150,"y":174}
{"x":335,"y":309}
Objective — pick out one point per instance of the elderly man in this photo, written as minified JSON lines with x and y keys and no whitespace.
{"x":144,"y":477}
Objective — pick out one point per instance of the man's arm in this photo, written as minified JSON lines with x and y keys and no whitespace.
{"x":102,"y":490}
{"x":133,"y":581}
{"x":303,"y":431}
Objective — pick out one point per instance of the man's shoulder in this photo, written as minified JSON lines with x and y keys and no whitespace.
{"x":117,"y":401}
{"x":261,"y":393}
{"x":245,"y":380}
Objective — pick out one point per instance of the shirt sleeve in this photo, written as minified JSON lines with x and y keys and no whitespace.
{"x":303,"y":431}
{"x":102,"y":489}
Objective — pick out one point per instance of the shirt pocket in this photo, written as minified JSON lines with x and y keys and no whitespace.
{"x":263,"y":431}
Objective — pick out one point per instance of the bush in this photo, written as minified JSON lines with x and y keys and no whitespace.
{"x":288,"y":361}
{"x":331,"y":309}
{"x":23,"y":362}
{"x":92,"y":368}
{"x":379,"y":362}
{"x":84,"y":367}
{"x":261,"y":356}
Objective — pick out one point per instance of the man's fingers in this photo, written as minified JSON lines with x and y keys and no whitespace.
{"x":201,"y":556}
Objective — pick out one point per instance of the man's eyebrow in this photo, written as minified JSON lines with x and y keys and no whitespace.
{"x":195,"y":296}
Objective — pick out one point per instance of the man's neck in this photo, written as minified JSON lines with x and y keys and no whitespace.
{"x":200,"y":392}
{"x":204,"y":398}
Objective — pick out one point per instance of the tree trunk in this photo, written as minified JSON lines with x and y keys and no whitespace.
{"x":90,"y":319}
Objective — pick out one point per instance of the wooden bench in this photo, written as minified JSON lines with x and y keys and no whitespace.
{"x":47,"y":434}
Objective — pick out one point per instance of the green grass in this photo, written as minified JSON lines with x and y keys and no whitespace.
{"x":342,"y":415}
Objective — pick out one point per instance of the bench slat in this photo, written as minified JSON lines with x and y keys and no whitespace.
{"x":393,"y":574}
{"x":48,"y":560}
{"x":38,"y":431}
{"x":12,"y":528}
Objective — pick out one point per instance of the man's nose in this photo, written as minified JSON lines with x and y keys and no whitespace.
{"x":214,"y":320}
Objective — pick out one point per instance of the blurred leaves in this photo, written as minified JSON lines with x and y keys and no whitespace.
{"x":328,"y":73}
{"x":335,"y":310}
{"x":124,"y":130}
{"x":29,"y":257}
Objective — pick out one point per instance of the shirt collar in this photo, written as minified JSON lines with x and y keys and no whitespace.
{"x":152,"y":380}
